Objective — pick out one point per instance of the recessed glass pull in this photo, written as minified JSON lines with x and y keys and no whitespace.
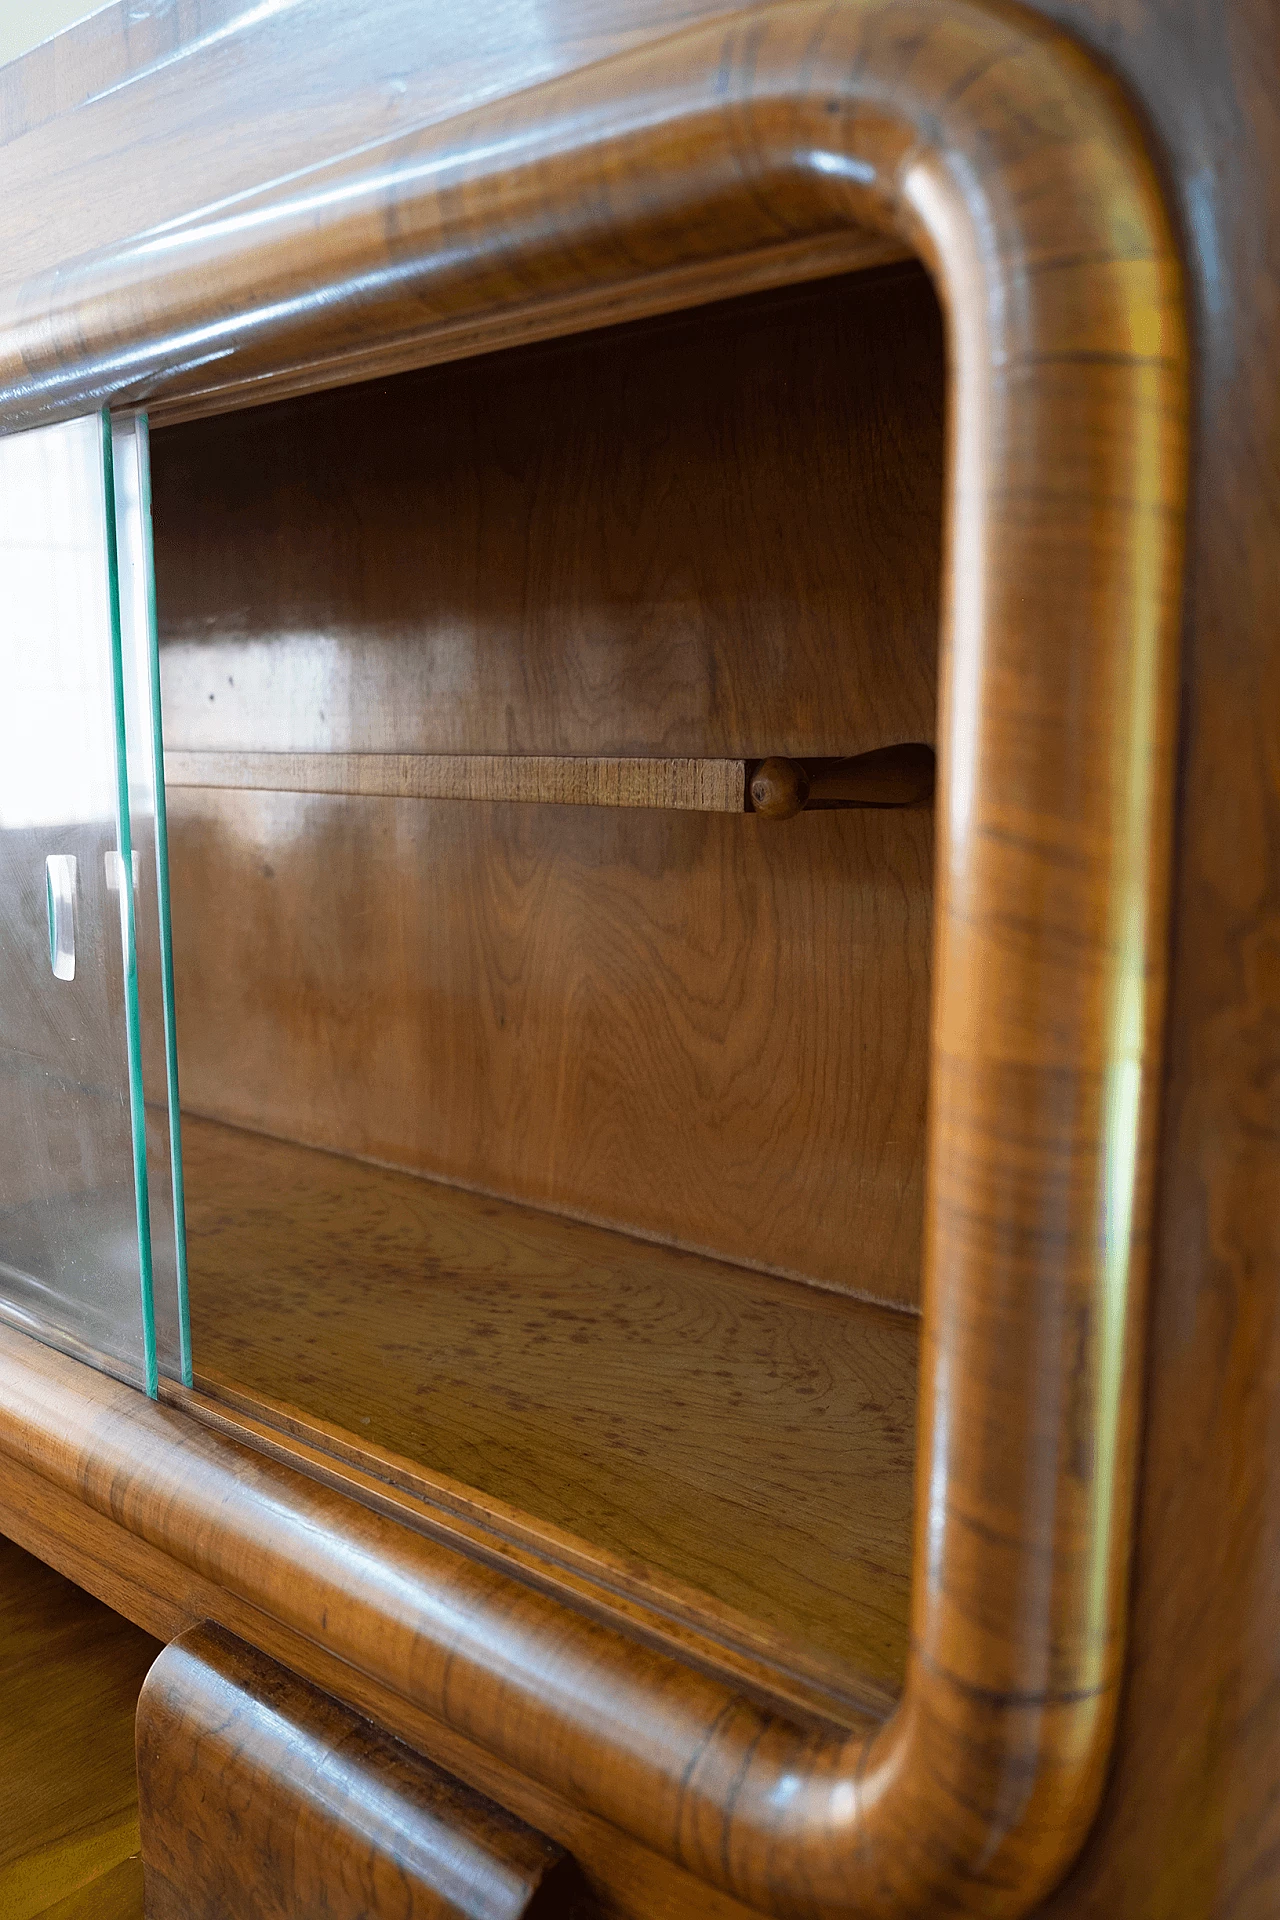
{"x":60,"y":898}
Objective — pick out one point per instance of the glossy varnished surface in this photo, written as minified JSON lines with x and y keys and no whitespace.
{"x":446,"y":1636}
{"x":714,"y":1033}
{"x":1190,"y":1827}
{"x":282,"y":185}
{"x":715,"y":534}
{"x":70,"y":1671}
{"x":168,"y":1559}
{"x":262,"y":1798}
{"x":745,"y":1436}
{"x":1019,"y":174}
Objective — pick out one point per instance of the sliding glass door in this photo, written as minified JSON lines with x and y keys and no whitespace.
{"x":90,"y":1208}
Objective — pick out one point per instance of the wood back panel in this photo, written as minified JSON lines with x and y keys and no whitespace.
{"x":712,"y":534}
{"x":708,"y":1029}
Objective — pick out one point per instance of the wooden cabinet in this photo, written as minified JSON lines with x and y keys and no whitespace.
{"x":731,"y":1267}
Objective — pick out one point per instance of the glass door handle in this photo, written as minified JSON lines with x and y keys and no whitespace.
{"x":60,"y":899}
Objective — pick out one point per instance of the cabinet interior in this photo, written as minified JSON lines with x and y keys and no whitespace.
{"x":573,"y":1154}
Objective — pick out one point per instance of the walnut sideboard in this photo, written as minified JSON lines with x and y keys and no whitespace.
{"x":667,"y":1304}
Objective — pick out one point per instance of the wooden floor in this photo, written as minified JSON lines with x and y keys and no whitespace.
{"x":747,"y":1436}
{"x":70,"y":1673}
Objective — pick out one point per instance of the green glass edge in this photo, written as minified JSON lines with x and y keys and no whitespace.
{"x":124,"y":835}
{"x":142,"y":430}
{"x":48,"y":907}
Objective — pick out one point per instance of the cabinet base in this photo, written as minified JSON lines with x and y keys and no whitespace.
{"x":262,"y":1798}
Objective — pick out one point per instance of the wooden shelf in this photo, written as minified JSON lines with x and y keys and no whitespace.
{"x":694,"y":1424}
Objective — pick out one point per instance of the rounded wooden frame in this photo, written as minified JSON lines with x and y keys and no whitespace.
{"x":766,"y":145}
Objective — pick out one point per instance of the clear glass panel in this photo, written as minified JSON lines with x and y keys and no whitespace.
{"x":141,"y":661}
{"x":75,"y":1263}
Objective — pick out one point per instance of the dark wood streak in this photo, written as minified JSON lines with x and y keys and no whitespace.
{"x":1190,"y":1824}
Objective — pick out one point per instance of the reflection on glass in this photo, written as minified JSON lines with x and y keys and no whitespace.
{"x":75,"y":1263}
{"x":60,"y":898}
{"x":140,"y":656}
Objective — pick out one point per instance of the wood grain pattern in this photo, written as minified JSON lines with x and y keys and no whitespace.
{"x":636,"y":1397}
{"x":688,"y":786}
{"x":1190,"y":1825}
{"x":351,"y":1596}
{"x":628,"y":1881}
{"x":70,"y":1672}
{"x":593,"y":547}
{"x":770,"y":1664}
{"x":118,"y":1895}
{"x":261,"y":1798}
{"x":886,"y":777}
{"x":1019,"y":174}
{"x":575,"y":549}
{"x":366,"y":94}
{"x":615,"y":1014}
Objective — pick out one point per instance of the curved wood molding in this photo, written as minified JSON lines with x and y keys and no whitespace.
{"x":990,"y":144}
{"x":260,"y":1798}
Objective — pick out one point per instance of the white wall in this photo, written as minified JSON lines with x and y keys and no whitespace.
{"x":25,"y":23}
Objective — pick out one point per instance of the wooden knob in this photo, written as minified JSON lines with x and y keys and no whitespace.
{"x":779,"y":788}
